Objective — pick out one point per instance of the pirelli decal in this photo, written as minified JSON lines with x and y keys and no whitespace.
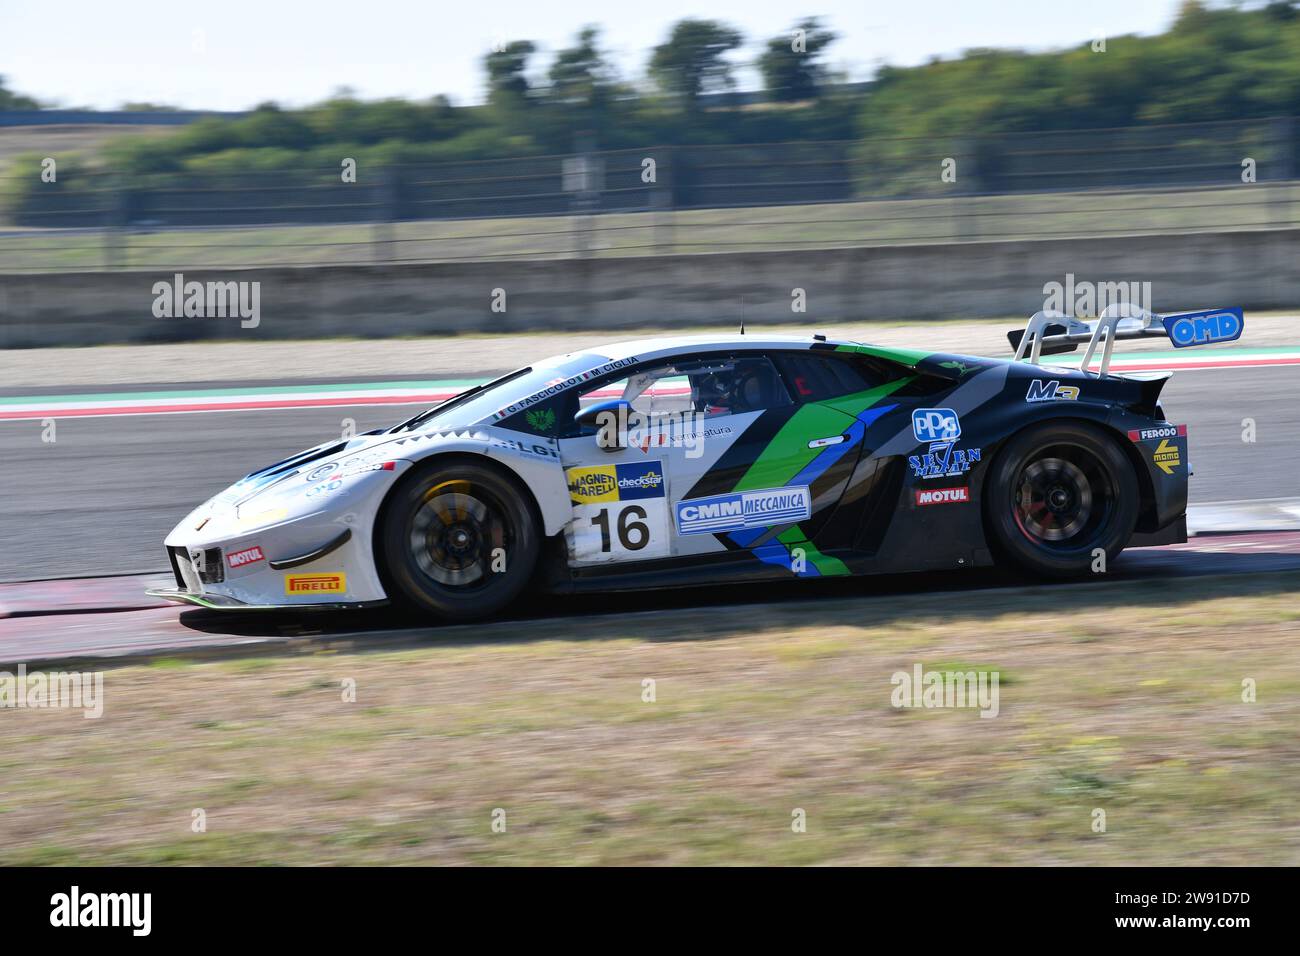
{"x":300,"y":584}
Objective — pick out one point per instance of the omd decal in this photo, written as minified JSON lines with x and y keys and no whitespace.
{"x":1204,"y":328}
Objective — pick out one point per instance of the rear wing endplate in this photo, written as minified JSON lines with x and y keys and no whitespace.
{"x":1051,"y":333}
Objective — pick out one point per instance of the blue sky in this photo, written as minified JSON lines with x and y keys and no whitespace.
{"x":236,"y":53}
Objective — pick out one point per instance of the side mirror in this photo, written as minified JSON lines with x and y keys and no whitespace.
{"x":601,"y":416}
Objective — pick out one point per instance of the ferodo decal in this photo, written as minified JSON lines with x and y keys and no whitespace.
{"x":1053,"y":391}
{"x":315,"y":583}
{"x":720,"y":514}
{"x":940,"y":496}
{"x":1154,"y":434}
{"x":237,"y":559}
{"x":620,"y":512}
{"x":1168,"y":453}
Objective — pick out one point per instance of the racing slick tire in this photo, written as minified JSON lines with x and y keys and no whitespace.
{"x":1057,"y":492}
{"x":458,"y":539}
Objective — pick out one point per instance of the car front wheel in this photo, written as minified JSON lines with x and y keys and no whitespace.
{"x":459,"y":540}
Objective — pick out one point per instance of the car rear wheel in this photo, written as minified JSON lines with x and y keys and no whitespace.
{"x":459,"y":540}
{"x":1058,"y":495}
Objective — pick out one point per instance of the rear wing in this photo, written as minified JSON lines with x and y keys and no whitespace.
{"x":1051,"y":333}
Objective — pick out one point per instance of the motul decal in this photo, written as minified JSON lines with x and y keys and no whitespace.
{"x":941,"y":496}
{"x":238,"y":559}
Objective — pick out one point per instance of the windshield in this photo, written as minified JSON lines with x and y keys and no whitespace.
{"x":484,"y":401}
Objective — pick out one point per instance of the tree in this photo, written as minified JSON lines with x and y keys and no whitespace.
{"x":691,"y":61}
{"x":14,"y":101}
{"x":580,"y":76}
{"x":507,"y":82}
{"x":790,"y":67}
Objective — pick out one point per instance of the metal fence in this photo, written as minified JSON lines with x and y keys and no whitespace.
{"x":660,"y":200}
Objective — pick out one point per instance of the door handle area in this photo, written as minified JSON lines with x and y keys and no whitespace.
{"x":823,"y":442}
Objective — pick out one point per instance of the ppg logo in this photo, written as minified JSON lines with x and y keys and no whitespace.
{"x":1202,"y":328}
{"x":935,"y":424}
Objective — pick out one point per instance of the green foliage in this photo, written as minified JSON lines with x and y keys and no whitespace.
{"x":692,"y":61}
{"x":14,"y":101}
{"x":790,"y":68}
{"x":507,"y":84}
{"x":1215,"y":63}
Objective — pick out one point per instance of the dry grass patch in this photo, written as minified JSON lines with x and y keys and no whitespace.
{"x":1121,"y":696}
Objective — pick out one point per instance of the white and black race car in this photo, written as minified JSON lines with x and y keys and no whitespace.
{"x":692,"y":461}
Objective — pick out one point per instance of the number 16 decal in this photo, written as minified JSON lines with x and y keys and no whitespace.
{"x":633,"y":533}
{"x":620,"y":512}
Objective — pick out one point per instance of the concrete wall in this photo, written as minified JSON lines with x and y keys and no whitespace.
{"x":1256,"y":270}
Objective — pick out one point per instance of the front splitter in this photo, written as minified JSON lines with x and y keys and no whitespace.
{"x":220,"y":602}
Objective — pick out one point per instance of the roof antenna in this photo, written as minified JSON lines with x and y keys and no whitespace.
{"x":742,"y":315}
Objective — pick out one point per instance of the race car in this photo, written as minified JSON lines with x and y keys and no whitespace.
{"x":693,"y":461}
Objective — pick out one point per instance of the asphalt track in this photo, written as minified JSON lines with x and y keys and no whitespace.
{"x":110,"y":619}
{"x":99,"y":499}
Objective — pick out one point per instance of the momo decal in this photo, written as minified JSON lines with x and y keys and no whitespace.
{"x":719,"y":514}
{"x":1167,"y":457}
